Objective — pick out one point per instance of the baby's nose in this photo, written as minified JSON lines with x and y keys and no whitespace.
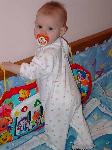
{"x":43,"y":32}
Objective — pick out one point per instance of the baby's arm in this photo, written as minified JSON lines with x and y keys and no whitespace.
{"x":25,"y":70}
{"x":38,"y":67}
{"x":14,"y":68}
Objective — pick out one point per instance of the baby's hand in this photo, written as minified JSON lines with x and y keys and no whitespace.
{"x":7,"y":65}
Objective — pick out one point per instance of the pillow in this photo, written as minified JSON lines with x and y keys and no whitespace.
{"x":104,"y":58}
{"x":87,"y":59}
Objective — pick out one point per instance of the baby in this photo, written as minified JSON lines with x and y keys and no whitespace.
{"x":50,"y":67}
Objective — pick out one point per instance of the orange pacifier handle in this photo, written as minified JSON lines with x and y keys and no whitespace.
{"x":42,"y":39}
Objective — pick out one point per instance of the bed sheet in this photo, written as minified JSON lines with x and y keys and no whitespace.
{"x":98,"y":114}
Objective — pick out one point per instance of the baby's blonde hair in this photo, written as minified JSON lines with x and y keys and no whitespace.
{"x":54,"y":7}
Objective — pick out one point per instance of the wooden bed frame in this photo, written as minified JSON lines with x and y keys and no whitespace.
{"x":78,"y":45}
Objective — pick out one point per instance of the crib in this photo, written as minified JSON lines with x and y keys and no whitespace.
{"x":98,"y":108}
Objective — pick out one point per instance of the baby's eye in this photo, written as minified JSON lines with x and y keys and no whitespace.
{"x":39,"y":26}
{"x":50,"y":28}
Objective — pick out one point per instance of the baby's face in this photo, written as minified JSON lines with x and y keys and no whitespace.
{"x":48,"y":25}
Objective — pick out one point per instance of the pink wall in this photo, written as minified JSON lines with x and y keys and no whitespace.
{"x":17,"y":17}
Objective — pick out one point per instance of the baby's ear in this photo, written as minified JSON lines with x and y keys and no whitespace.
{"x":63,"y":30}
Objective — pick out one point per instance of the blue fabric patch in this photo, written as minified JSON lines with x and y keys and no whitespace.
{"x":104,"y":58}
{"x":87,"y":59}
{"x":105,"y":141}
{"x":100,"y":88}
{"x":96,"y":116}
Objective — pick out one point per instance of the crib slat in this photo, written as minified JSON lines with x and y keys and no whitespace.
{"x":91,"y":40}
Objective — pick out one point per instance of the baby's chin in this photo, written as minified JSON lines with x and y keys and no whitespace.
{"x":52,"y":41}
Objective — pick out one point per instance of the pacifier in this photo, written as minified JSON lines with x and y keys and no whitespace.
{"x":42,"y":39}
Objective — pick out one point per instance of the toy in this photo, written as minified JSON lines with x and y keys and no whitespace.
{"x":83,"y":80}
{"x":21,"y":111}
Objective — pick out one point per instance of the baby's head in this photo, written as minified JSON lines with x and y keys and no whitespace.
{"x":51,"y":20}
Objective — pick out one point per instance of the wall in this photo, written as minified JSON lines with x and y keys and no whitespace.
{"x":17,"y":17}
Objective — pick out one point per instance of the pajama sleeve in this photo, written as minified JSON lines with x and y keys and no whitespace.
{"x":38,"y":68}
